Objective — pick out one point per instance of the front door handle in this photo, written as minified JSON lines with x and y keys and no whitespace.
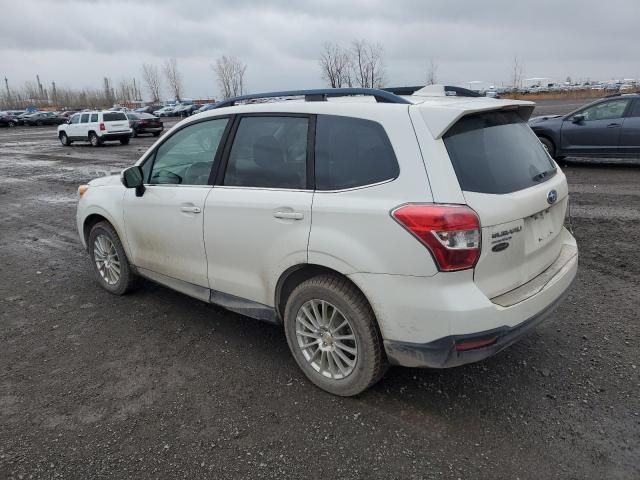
{"x":190,"y":209}
{"x":288,"y":215}
{"x":613,"y":125}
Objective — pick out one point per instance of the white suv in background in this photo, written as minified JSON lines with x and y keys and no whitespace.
{"x":423,"y":230}
{"x":95,"y":128}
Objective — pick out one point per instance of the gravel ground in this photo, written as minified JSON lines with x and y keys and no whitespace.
{"x":158,"y":385}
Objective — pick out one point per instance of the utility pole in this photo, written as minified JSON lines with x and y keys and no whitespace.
{"x":6,"y":85}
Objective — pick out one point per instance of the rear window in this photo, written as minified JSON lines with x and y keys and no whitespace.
{"x":113,"y":116}
{"x":352,"y":152}
{"x":496,"y":152}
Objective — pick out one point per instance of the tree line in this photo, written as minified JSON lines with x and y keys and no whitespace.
{"x":357,"y":64}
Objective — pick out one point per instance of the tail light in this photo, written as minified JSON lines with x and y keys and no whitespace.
{"x":450,"y":232}
{"x":102,"y":127}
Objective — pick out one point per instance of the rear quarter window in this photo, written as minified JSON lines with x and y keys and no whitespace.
{"x":352,"y":152}
{"x":113,"y":117}
{"x":496,"y":152}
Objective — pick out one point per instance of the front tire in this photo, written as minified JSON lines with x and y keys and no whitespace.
{"x":109,"y":260}
{"x":332,"y":334}
{"x":134,"y":133}
{"x":548,"y":145}
{"x":64,"y":140}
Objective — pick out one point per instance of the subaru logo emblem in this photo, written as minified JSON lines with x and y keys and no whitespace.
{"x":552,"y":196}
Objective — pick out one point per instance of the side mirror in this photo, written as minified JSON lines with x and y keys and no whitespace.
{"x":578,"y":118}
{"x":132,"y":177}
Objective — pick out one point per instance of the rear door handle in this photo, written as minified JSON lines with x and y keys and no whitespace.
{"x":613,"y":125}
{"x":288,"y":215}
{"x":190,"y":209}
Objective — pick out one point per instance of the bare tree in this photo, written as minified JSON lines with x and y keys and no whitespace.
{"x":126,"y":91}
{"x":174,"y":78}
{"x":336,"y":65}
{"x":367,"y":63}
{"x":152,"y":79}
{"x":432,"y":71}
{"x":517,"y":72}
{"x":230,"y":76}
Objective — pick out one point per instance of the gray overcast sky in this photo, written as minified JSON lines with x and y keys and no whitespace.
{"x":77,"y":43}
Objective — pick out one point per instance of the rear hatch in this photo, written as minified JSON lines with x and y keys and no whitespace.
{"x":115,"y":122}
{"x":518,"y":192}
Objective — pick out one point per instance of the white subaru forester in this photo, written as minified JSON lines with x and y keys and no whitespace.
{"x":423,"y":230}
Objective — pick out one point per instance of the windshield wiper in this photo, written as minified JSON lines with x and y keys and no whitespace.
{"x":538,"y":177}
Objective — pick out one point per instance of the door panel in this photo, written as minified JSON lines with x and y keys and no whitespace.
{"x":164,"y":225}
{"x":164,"y":231}
{"x":257,"y":223}
{"x":630,"y":135}
{"x":597,"y":136}
{"x":252,"y":235}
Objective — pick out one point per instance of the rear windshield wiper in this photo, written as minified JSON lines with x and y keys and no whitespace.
{"x":538,"y":177}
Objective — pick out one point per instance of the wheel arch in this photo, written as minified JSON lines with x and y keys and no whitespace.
{"x":295,"y":275}
{"x":97,"y":215}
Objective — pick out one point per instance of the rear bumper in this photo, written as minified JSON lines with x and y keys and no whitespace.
{"x":149,"y":129}
{"x":105,"y":137}
{"x":446,"y":321}
{"x":444,"y":353}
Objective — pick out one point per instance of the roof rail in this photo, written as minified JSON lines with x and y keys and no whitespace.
{"x":318,"y":95}
{"x":402,"y":90}
{"x":434,"y":90}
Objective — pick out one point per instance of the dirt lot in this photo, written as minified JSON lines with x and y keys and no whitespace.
{"x":158,"y":385}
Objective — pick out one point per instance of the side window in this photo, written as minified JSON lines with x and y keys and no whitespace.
{"x":186,"y":158}
{"x":352,"y":152}
{"x":94,"y":117}
{"x":75,"y":119}
{"x":606,"y":110}
{"x":85,"y":118}
{"x":269,"y":152}
{"x":635,"y":109}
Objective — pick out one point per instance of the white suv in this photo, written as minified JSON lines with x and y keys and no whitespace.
{"x":95,"y":128}
{"x":422,"y":230}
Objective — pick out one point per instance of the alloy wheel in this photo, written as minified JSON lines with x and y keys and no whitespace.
{"x":326,"y":339}
{"x":106,"y":258}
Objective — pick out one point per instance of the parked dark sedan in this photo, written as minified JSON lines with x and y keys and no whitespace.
{"x":7,"y":120}
{"x":148,"y":109}
{"x":144,"y":123}
{"x":44,"y":118}
{"x":609,"y":127}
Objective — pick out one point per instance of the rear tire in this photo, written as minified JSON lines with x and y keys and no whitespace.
{"x":12,"y":124}
{"x":124,"y":141}
{"x":357,"y":346}
{"x":156,"y":134}
{"x":109,"y":260}
{"x":134,"y":134}
{"x":64,"y":140}
{"x":94,"y":140}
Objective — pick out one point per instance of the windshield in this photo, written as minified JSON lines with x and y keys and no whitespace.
{"x":496,"y":152}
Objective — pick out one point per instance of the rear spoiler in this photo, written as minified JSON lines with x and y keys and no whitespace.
{"x":439,"y":118}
